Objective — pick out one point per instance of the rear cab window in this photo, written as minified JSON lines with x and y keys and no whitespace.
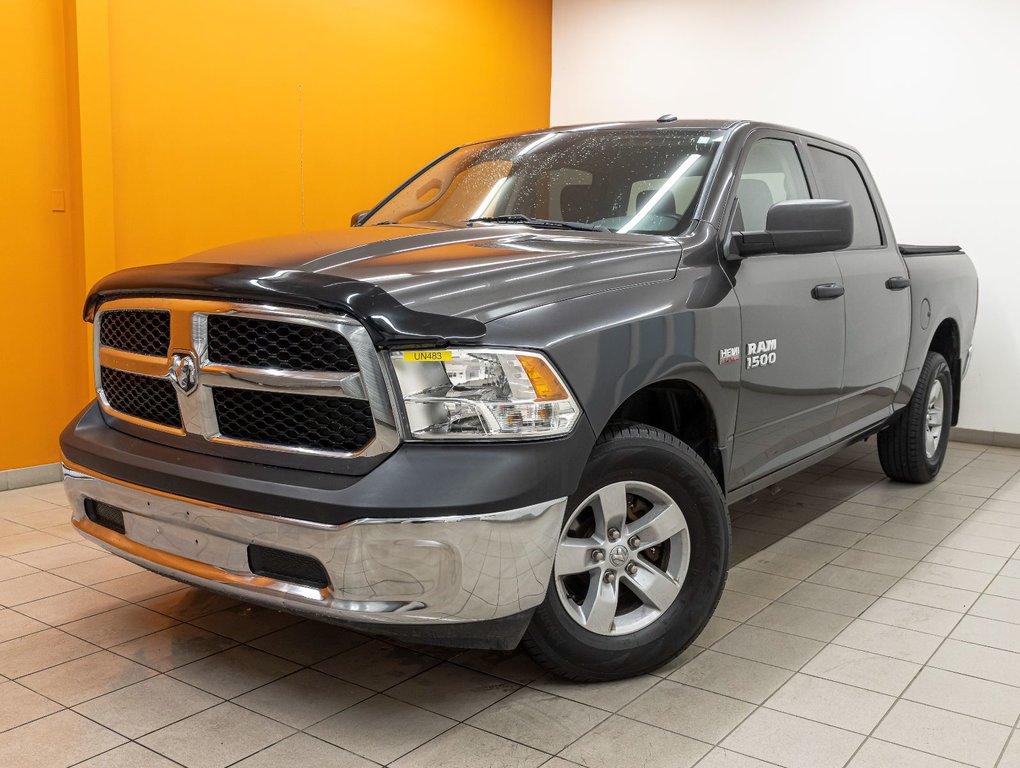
{"x":839,"y":178}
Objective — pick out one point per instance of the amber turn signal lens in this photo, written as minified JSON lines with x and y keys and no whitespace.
{"x":547,"y":386}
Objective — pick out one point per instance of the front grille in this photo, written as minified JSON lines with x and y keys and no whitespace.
{"x":143,"y":331}
{"x":143,"y":397}
{"x":255,"y":343}
{"x":298,"y":421}
{"x":288,"y":566}
{"x":104,"y":514}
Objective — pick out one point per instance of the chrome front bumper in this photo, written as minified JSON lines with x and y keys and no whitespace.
{"x":390,"y":571}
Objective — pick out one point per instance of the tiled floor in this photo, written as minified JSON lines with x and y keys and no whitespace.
{"x":866,"y":624}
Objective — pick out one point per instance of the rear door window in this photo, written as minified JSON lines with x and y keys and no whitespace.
{"x":839,"y":178}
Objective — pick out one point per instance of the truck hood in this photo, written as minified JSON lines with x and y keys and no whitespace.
{"x":436,"y":284}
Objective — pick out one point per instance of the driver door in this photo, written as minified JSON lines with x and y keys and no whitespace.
{"x":792,"y":344}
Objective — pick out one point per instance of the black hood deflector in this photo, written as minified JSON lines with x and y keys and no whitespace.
{"x":388,"y":321}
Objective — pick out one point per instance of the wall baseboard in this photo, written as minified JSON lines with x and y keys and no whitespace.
{"x":27,"y":476}
{"x":985,"y":437}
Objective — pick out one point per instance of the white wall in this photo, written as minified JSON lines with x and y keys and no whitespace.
{"x":927,"y":91}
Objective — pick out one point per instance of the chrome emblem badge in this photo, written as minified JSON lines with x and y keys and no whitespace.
{"x":184,"y":371}
{"x":618,"y":555}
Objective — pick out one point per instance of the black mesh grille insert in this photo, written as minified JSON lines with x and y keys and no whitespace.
{"x":144,"y":331}
{"x":288,"y":566}
{"x":302,"y":421}
{"x":103,"y":514}
{"x":268,"y":344}
{"x":141,"y":396}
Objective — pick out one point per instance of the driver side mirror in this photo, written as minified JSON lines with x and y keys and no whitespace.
{"x":800,"y":226}
{"x":358,"y":218}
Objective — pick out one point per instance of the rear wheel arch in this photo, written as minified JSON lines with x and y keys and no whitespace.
{"x":946,"y":341}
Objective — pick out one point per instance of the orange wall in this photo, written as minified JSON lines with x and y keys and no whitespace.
{"x":241,"y":118}
{"x":42,"y":384}
{"x":193,"y":123}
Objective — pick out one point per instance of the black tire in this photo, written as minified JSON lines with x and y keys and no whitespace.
{"x":901,"y":445}
{"x":639,"y":453}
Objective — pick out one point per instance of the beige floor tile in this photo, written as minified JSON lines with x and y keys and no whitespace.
{"x":932,"y":595}
{"x":36,"y":744}
{"x":862,"y":669}
{"x":188,"y":604}
{"x":381,"y":729}
{"x":881,"y":754}
{"x":979,"y":661}
{"x":647,"y":746}
{"x":20,"y":543}
{"x":720,"y":757}
{"x":868,"y":511}
{"x":898,"y":643}
{"x":538,"y":719}
{"x":852,"y":579}
{"x":981,"y":631}
{"x":377,"y":665}
{"x":12,"y":569}
{"x":911,"y":533}
{"x":308,"y":642}
{"x":70,"y":606}
{"x":769,"y":647}
{"x":515,"y":666}
{"x":139,"y":586}
{"x":737,"y":606}
{"x":245,"y":622}
{"x":959,"y":558}
{"x":305,"y":751}
{"x":921,"y":618}
{"x":913,"y":516}
{"x":25,"y":589}
{"x":942,"y":733}
{"x":82,"y":679}
{"x":759,"y":584}
{"x":947,"y":576}
{"x":14,"y":625}
{"x":101,"y":569}
{"x":610,"y":696}
{"x":55,"y":557}
{"x":118,"y":626}
{"x":216,"y":737}
{"x":45,"y":518}
{"x":804,"y":622}
{"x":989,"y":607}
{"x":702,"y":715}
{"x":716,"y":628}
{"x":942,"y":510}
{"x":31,"y":653}
{"x":14,"y":504}
{"x":875,"y":562}
{"x":465,"y":747}
{"x":149,"y":705}
{"x":1005,"y":586}
{"x":128,"y":755}
{"x":831,"y":599}
{"x":173,"y":647}
{"x":7,"y":528}
{"x":1011,"y":755}
{"x":825,"y":535}
{"x":792,"y":741}
{"x":452,"y":691}
{"x":965,"y":694}
{"x":848,"y":522}
{"x":883,"y":545}
{"x":732,"y":676}
{"x":832,"y":703}
{"x":982,"y":544}
{"x":20,"y":705}
{"x":303,"y":698}
{"x":233,"y":672}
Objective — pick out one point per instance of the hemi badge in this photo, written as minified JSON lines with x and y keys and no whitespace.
{"x":729,"y":355}
{"x":428,"y":356}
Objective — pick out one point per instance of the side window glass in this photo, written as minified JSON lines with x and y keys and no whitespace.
{"x":772,"y":173}
{"x":839,"y":178}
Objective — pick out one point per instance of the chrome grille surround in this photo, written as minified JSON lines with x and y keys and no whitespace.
{"x":189,"y":322}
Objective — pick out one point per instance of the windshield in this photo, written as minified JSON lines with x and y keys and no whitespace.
{"x":642,"y":181}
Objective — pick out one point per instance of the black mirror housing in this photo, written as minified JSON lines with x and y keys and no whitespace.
{"x":357,"y":219}
{"x":800,"y":226}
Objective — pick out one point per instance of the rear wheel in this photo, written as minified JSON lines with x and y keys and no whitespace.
{"x":912,"y":448}
{"x":640,"y":563}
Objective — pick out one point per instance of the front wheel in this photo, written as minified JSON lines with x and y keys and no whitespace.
{"x":641,"y":560}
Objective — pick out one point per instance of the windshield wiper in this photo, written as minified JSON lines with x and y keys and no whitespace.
{"x":520,"y":218}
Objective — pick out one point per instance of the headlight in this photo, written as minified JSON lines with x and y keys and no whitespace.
{"x":490,"y":393}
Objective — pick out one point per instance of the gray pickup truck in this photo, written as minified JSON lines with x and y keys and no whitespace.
{"x":513,"y":400}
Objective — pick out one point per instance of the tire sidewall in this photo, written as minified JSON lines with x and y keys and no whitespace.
{"x":939,"y":372}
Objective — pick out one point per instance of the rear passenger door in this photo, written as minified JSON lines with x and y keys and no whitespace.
{"x":876,"y":298}
{"x":791,"y":350}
